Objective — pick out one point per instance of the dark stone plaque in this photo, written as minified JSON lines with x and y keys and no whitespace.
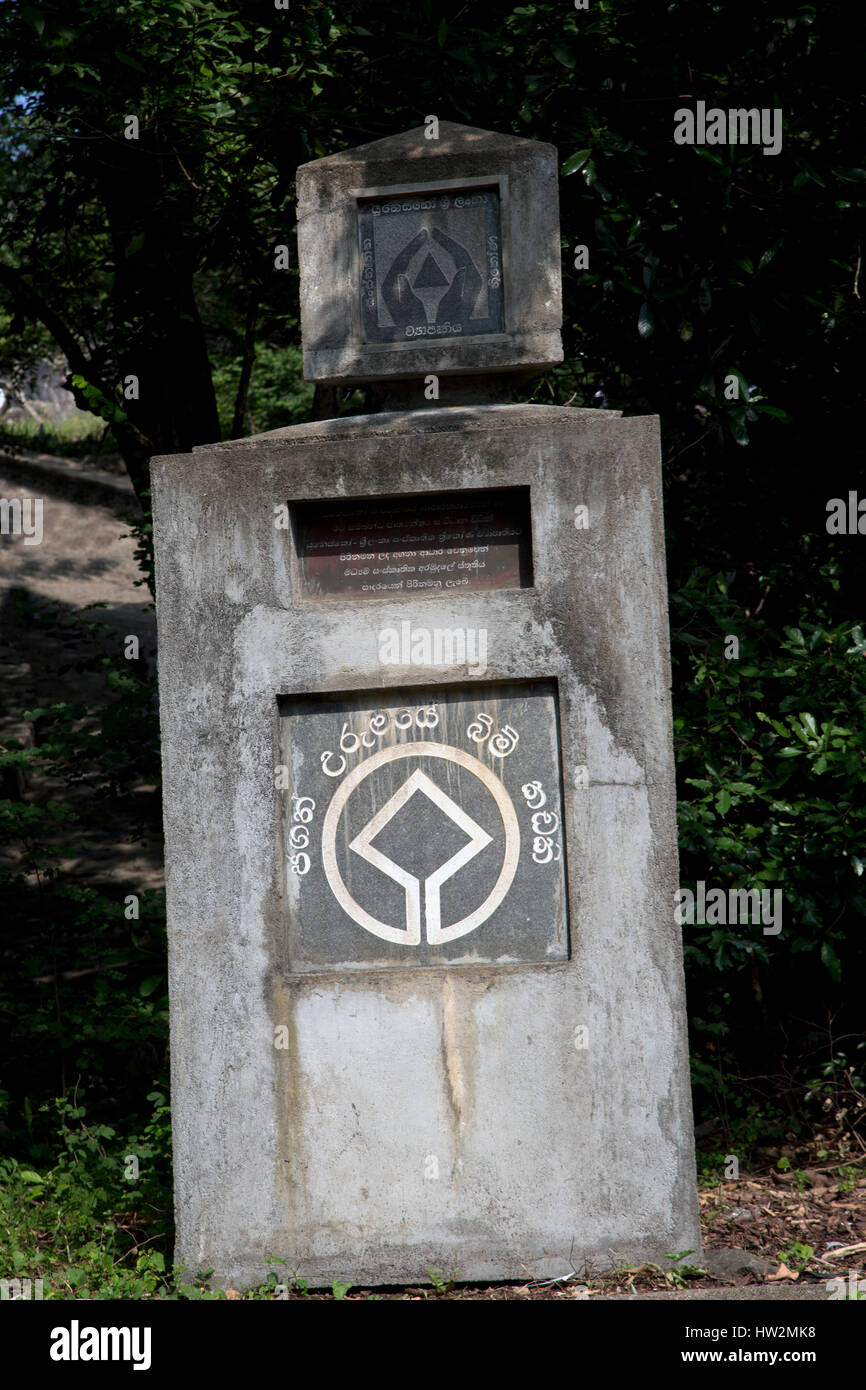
{"x":431,"y":265}
{"x":444,"y":543}
{"x":424,"y":828}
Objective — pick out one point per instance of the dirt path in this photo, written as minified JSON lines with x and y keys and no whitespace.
{"x":85,"y":557}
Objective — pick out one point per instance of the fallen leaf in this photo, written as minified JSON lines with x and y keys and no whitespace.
{"x":783,"y":1272}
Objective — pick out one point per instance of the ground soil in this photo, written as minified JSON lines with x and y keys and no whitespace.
{"x":82,"y":574}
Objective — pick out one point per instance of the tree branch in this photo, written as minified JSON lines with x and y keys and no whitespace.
{"x":249,"y":357}
{"x":36,"y":306}
{"x":132,"y":443}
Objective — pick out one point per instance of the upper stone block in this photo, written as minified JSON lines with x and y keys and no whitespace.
{"x":420,"y":256}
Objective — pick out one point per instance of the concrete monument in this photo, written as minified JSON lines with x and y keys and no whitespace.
{"x":426,"y":982}
{"x":410,"y":244}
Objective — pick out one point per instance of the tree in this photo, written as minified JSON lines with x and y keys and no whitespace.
{"x":141,"y":168}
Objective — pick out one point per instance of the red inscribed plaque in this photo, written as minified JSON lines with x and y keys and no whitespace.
{"x":436,"y":543}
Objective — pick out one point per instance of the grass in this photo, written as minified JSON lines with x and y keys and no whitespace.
{"x":76,"y":436}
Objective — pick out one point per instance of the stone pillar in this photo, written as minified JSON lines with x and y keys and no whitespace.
{"x":426,"y":981}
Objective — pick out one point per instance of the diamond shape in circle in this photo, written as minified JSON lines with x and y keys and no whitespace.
{"x":420,"y":837}
{"x":478,"y":840}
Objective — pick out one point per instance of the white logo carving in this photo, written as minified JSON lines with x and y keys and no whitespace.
{"x":362,"y":845}
{"x":418,"y":781}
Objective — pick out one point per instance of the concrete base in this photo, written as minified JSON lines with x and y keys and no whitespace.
{"x":506,"y":1120}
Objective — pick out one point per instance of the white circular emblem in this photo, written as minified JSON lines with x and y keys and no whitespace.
{"x":429,"y":902}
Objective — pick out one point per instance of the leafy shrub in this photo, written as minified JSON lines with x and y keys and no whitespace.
{"x":278,"y":394}
{"x":771,"y":755}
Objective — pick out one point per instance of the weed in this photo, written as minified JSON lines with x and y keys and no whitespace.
{"x":797,"y":1255}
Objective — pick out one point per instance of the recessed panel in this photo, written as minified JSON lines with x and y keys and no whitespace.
{"x":382,"y":547}
{"x":431,"y":265}
{"x":424,"y":827}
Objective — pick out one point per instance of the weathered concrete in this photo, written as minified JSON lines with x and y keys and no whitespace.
{"x":446,"y":1115}
{"x":496,"y":266}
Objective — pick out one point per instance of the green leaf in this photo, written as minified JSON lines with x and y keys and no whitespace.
{"x":645,"y":321}
{"x":779,"y":728}
{"x":831,"y":961}
{"x":737,"y":425}
{"x":576,"y":162}
{"x":149,"y":985}
{"x":129,"y":62}
{"x":723,"y":802}
{"x":33,"y":18}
